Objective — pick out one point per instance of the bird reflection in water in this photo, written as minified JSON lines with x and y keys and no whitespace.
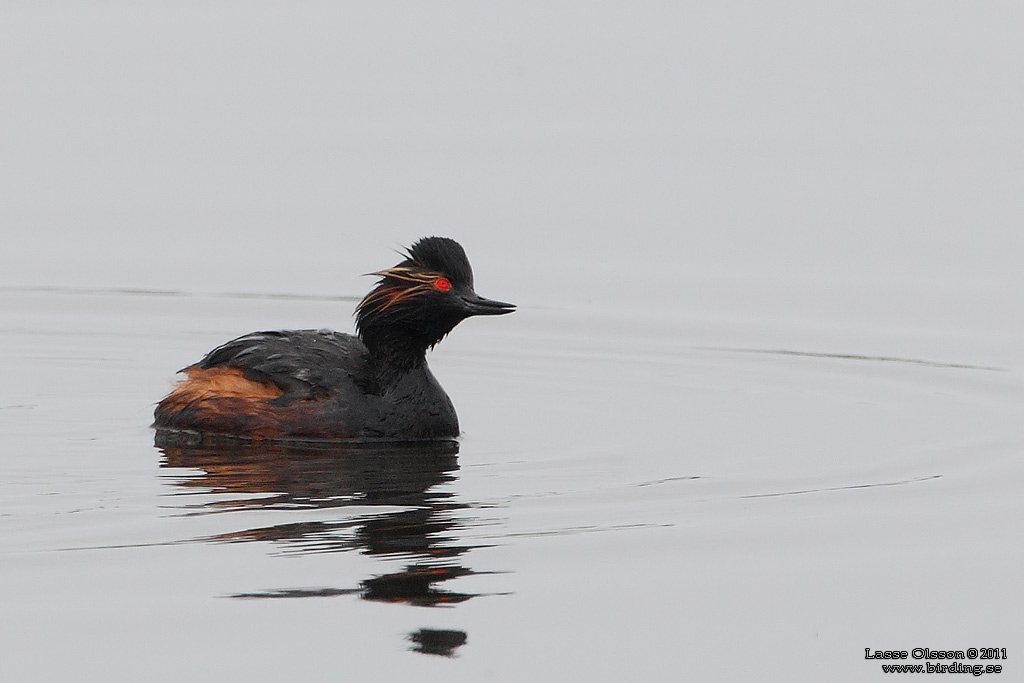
{"x":437,"y":642}
{"x":278,"y":476}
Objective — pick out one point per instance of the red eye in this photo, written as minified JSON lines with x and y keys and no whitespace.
{"x":443,"y":284}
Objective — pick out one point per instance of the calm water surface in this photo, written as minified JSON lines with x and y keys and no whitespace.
{"x":726,"y":496}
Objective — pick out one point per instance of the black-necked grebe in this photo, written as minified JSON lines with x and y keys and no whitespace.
{"x":329,"y":385}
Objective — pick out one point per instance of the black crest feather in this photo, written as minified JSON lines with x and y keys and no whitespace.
{"x":441,"y":255}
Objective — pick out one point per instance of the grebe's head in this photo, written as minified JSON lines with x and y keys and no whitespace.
{"x":421,"y":299}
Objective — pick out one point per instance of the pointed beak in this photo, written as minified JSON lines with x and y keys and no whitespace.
{"x":474,"y":304}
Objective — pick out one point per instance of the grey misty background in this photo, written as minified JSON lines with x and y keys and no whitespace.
{"x":842,"y":179}
{"x":581,"y":150}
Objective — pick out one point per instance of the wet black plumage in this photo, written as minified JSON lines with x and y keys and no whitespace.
{"x":326,"y":384}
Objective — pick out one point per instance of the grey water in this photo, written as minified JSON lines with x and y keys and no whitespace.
{"x":759,"y":408}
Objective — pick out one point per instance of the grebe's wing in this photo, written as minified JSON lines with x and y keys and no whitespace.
{"x":305,"y":364}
